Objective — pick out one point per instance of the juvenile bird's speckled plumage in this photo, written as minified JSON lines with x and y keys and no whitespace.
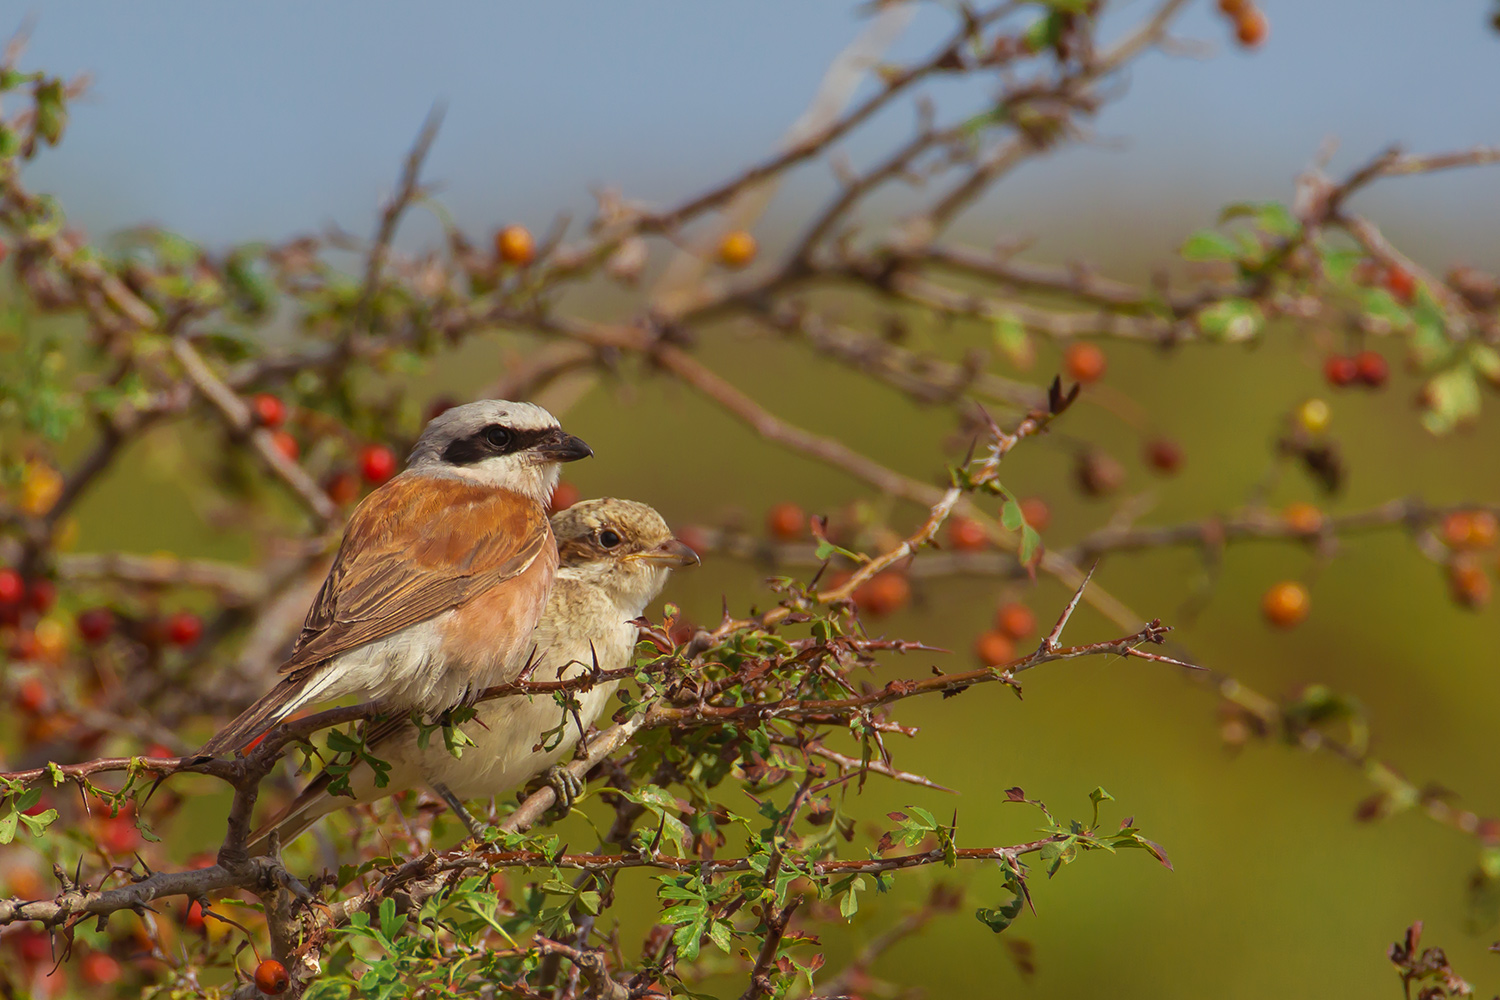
{"x":441,"y":577}
{"x":615,"y":557}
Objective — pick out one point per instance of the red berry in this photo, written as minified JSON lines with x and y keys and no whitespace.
{"x":993,"y":649}
{"x":42,"y":805}
{"x":1340,"y":370}
{"x":1164,"y":455}
{"x":377,"y":463}
{"x":271,"y":977}
{"x":95,"y":624}
{"x":192,"y":917}
{"x":184,"y":628}
{"x":1372,"y":368}
{"x":342,"y":487}
{"x":1084,"y":362}
{"x":1015,"y":621}
{"x":787,"y":522}
{"x":118,"y":834}
{"x":966,"y":535}
{"x":99,"y":969}
{"x":41,"y":595}
{"x":269,"y":410}
{"x":564,"y":495}
{"x":31,"y":697}
{"x":1400,"y":283}
{"x":12,"y":587}
{"x":32,"y":945}
{"x":286,"y":444}
{"x":1036,"y":512}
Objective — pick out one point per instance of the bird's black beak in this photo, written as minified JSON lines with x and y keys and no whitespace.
{"x":560,"y":446}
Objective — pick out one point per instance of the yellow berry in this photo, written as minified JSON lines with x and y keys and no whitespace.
{"x":1314,"y":416}
{"x":737,"y":248}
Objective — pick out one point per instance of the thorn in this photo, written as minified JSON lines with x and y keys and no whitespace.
{"x":1049,"y":644}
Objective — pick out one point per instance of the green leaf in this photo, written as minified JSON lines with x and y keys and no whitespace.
{"x":999,"y":918}
{"x":1231,"y":321}
{"x":1011,"y":516}
{"x":38,"y":824}
{"x":1208,"y":244}
{"x":390,"y":921}
{"x":8,"y":826}
{"x":1030,"y":542}
{"x":1012,"y":340}
{"x":718,"y":933}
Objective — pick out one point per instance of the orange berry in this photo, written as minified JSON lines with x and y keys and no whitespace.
{"x":1456,"y":529}
{"x":884,"y":594}
{"x":1098,"y":474}
{"x":1036,"y":512}
{"x":1015,"y":621}
{"x":1232,"y":8}
{"x":737,"y":248}
{"x":514,"y":245}
{"x":1251,"y":27}
{"x":271,"y":978}
{"x":1286,"y":604}
{"x":1400,"y":283}
{"x":564,"y":495}
{"x":1303,"y":517}
{"x":1483,"y":530}
{"x":1468,"y":582}
{"x":993,"y":649}
{"x":787,"y":522}
{"x":966,"y":534}
{"x":286,"y":444}
{"x":1084,"y":362}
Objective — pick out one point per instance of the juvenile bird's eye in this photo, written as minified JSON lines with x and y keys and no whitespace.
{"x":497,"y":436}
{"x":608,"y":538}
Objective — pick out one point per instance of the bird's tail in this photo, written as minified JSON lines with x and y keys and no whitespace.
{"x":286,"y":697}
{"x":306,"y":809}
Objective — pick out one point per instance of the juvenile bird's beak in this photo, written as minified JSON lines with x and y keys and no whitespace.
{"x":560,"y":446}
{"x":671,"y":553}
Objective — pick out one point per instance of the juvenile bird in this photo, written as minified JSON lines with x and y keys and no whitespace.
{"x":615,"y":557}
{"x":443,"y":573}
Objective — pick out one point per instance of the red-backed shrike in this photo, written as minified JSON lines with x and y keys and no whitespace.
{"x":616,"y":555}
{"x":441,"y":577}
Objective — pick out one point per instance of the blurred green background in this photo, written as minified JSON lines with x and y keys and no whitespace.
{"x":1277,"y":890}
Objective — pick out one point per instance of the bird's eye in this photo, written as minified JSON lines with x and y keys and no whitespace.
{"x":497,"y":436}
{"x":608,"y":538}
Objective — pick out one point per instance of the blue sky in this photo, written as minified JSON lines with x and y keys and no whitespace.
{"x":235,"y":121}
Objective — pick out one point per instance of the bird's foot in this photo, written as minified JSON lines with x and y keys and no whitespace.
{"x":565,"y":785}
